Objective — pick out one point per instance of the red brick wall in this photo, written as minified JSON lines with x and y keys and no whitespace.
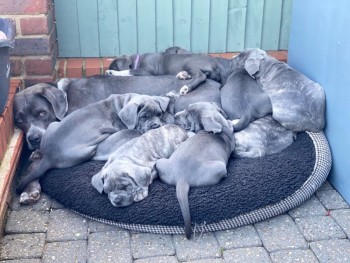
{"x":34,"y":57}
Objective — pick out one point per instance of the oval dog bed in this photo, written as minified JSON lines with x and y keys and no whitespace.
{"x":254,"y":190}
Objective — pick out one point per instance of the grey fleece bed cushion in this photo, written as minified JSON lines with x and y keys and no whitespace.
{"x":255,"y":189}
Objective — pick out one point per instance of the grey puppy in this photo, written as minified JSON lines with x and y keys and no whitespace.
{"x":262,"y":137}
{"x":202,"y":159}
{"x":298,"y":103}
{"x":130,"y":169}
{"x":66,"y":144}
{"x":186,"y":66}
{"x":243,"y":100}
{"x":39,"y":105}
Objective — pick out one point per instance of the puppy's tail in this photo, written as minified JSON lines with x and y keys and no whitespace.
{"x":182,"y":188}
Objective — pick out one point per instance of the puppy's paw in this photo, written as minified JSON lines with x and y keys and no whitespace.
{"x":183,"y":75}
{"x":140,"y":195}
{"x":184,"y":90}
{"x":109,"y":72}
{"x":34,"y":155}
{"x":29,"y":198}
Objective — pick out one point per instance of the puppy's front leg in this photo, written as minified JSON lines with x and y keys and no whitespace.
{"x":31,"y":193}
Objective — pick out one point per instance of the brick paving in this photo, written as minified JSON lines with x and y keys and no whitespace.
{"x":316,"y":231}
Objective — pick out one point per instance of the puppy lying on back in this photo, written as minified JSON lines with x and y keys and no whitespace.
{"x":197,"y":68}
{"x":202,"y":159}
{"x":78,"y":136}
{"x":242,"y":98}
{"x":130,"y":170}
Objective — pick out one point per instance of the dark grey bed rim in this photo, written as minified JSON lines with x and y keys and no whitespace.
{"x":323,"y":163}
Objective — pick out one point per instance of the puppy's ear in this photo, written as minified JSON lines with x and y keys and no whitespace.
{"x":128,"y":115}
{"x":210,"y":124}
{"x":163,"y":102}
{"x":252,"y":66}
{"x":97,"y":182}
{"x":57,"y":99}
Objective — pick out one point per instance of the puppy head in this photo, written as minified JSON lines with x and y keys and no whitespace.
{"x":35,"y":107}
{"x":144,"y":112}
{"x":124,"y":182}
{"x":249,"y":60}
{"x":203,"y":116}
{"x":121,"y":63}
{"x":177,"y":50}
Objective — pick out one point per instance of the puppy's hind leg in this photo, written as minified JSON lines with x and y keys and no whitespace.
{"x":197,"y":78}
{"x":183,"y":75}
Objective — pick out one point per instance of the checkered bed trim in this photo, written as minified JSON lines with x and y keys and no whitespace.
{"x":323,"y":163}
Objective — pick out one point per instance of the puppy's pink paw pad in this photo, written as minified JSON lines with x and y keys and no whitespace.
{"x":183,"y":75}
{"x":184,"y":90}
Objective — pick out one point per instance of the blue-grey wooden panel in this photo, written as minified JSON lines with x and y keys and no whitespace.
{"x":108,"y":27}
{"x":146,"y":26}
{"x":88,"y":16}
{"x":93,"y":28}
{"x":67,"y":28}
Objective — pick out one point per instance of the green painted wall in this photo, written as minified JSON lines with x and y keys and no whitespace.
{"x":102,"y":28}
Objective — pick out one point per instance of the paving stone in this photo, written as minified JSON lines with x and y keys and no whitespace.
{"x":27,"y":221}
{"x":293,"y":255}
{"x":69,"y":251}
{"x":34,"y":260}
{"x":311,"y":207}
{"x":208,"y":260}
{"x":65,"y":225}
{"x":245,"y":236}
{"x":166,"y":259}
{"x":280,"y":233}
{"x":94,"y":226}
{"x":342,"y":217}
{"x":319,"y":227}
{"x":56,"y":205}
{"x":151,"y":245}
{"x":198,"y":247}
{"x":333,"y":250}
{"x":326,"y":186}
{"x":332,"y":199}
{"x":247,"y":255}
{"x":19,"y":246}
{"x":44,"y":203}
{"x":112,"y":246}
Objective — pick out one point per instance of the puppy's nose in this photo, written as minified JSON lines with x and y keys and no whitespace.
{"x":34,"y":138}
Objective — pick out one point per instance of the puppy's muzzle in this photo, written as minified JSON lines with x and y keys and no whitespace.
{"x":34,"y":139}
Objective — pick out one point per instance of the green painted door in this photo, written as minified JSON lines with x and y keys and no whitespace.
{"x":104,"y":28}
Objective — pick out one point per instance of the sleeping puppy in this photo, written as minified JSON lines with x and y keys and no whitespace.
{"x":298,"y":103}
{"x":242,"y":98}
{"x":202,"y":159}
{"x":130,"y":170}
{"x":66,"y":144}
{"x":37,"y":106}
{"x":262,"y":137}
{"x":186,"y":66}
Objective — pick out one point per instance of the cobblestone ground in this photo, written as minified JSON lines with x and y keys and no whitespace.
{"x":316,"y":231}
